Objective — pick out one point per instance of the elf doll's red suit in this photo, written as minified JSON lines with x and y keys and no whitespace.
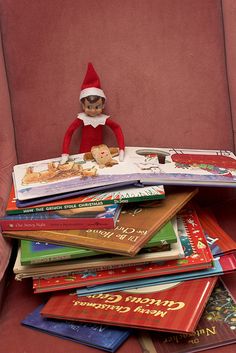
{"x":92,"y":132}
{"x":92,"y":126}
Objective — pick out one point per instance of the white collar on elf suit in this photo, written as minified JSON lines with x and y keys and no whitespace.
{"x":94,"y":121}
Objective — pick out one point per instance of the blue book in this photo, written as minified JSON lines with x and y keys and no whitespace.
{"x":98,"y":336}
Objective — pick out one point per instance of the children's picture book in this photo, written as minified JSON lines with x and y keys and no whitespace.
{"x":99,"y":262}
{"x":164,"y":236}
{"x":135,"y":227}
{"x":96,"y":217}
{"x":91,"y":282}
{"x":216,"y":328}
{"x":197,"y":256}
{"x":219,"y":241}
{"x":97,"y":336}
{"x":160,"y":166}
{"x":117,"y":195}
{"x":221,"y":265}
{"x":159,"y":308}
{"x":36,"y":252}
{"x":75,"y":193}
{"x":33,"y":252}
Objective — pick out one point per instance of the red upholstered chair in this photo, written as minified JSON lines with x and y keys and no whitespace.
{"x":168,"y":68}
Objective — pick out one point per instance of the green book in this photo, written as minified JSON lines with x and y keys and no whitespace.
{"x":35,"y":252}
{"x":166,"y":235}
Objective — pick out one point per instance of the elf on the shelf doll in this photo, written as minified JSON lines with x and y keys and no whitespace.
{"x":91,"y":120}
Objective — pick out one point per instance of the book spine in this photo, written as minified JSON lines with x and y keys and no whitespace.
{"x":85,"y":270}
{"x":57,"y":224}
{"x":42,"y":260}
{"x":99,"y":202}
{"x":228,"y":262}
{"x":139,"y":198}
{"x":48,"y":258}
{"x":58,"y":207}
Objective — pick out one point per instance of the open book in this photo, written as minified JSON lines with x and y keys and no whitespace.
{"x":142,"y":165}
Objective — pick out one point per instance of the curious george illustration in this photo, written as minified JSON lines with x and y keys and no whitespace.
{"x":92,"y":120}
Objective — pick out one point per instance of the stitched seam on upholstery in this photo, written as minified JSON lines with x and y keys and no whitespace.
{"x":227,"y":75}
{"x":8,"y":88}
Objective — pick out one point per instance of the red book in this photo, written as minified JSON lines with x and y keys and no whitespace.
{"x":176,"y":307}
{"x":96,"y":217}
{"x":99,"y":279}
{"x":216,"y":328}
{"x":220,"y":242}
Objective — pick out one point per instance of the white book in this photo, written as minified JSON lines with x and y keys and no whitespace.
{"x":153,"y":166}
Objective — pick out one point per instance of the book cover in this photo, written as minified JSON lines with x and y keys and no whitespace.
{"x":98,"y":336}
{"x":196,"y":250}
{"x":219,"y":241}
{"x":162,"y":308}
{"x":117,"y":195}
{"x":160,"y":166}
{"x":33,"y":252}
{"x":75,"y":193}
{"x":99,"y":262}
{"x":165,"y":235}
{"x":197,"y":255}
{"x":135,"y":227}
{"x":221,"y":265}
{"x":216,"y":328}
{"x":96,"y":217}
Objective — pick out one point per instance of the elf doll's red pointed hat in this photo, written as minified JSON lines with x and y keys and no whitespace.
{"x":91,"y":85}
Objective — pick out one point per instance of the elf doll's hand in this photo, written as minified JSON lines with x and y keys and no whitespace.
{"x":121,"y":155}
{"x":64,"y":158}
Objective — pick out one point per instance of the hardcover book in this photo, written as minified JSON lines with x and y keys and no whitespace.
{"x":75,"y":193}
{"x":159,"y":308}
{"x":219,"y":241}
{"x":135,"y":227}
{"x":96,"y":217}
{"x":197,"y":255}
{"x":99,"y":262}
{"x":216,"y":328}
{"x":160,"y":166}
{"x":117,"y":195}
{"x":33,"y":252}
{"x":221,"y":265}
{"x":97,"y":336}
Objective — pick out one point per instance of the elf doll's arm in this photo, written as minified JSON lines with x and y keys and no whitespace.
{"x":119,"y":136}
{"x":67,"y":139}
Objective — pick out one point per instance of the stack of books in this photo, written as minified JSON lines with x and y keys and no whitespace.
{"x":115,"y":247}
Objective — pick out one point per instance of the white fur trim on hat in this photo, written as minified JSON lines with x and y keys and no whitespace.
{"x":92,"y":91}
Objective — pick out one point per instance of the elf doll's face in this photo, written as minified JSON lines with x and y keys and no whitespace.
{"x":93,"y":109}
